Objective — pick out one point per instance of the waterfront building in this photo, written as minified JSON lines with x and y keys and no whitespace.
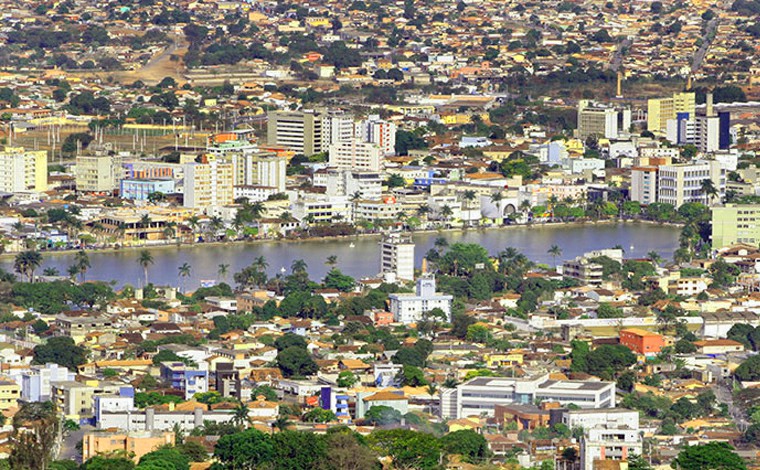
{"x":735,"y":223}
{"x":98,"y":173}
{"x":680,"y":183}
{"x":208,"y":185}
{"x":140,"y":189}
{"x":260,"y":169}
{"x":397,"y":257}
{"x":23,"y":170}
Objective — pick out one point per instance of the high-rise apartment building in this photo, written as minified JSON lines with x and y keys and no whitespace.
{"x":260,"y":169}
{"x":22,"y":170}
{"x":644,"y":184}
{"x":397,"y":257}
{"x":602,"y":121}
{"x":735,"y":223}
{"x":99,"y":173}
{"x":299,"y":131}
{"x":379,"y":132}
{"x":208,"y":185}
{"x":682,"y":183}
{"x":356,"y":155}
{"x":337,"y":127}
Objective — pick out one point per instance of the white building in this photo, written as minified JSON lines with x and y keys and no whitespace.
{"x":98,"y":173}
{"x":681,"y":183}
{"x":337,"y":127}
{"x":608,"y":442}
{"x":367,"y":185}
{"x":23,"y":170}
{"x":379,"y":132}
{"x":408,"y":308}
{"x":356,"y":155}
{"x":260,"y":169}
{"x":644,"y":184}
{"x":397,"y":257}
{"x":480,"y":395}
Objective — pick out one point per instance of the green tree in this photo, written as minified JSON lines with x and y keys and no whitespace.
{"x":381,"y":415}
{"x":82,"y":262}
{"x":478,"y":333}
{"x":335,"y":279}
{"x":555,"y":251}
{"x":60,"y":350}
{"x":346,"y":379}
{"x":168,"y":458}
{"x":411,"y":376}
{"x":26,"y":263}
{"x":408,"y":449}
{"x":471,"y":445}
{"x":295,"y":361}
{"x":184,"y":272}
{"x":145,"y":259}
{"x":749,"y":370}
{"x":318,"y":415}
{"x":100,"y":462}
{"x":711,"y":456}
{"x":248,"y":449}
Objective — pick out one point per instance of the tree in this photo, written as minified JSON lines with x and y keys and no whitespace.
{"x":411,"y":376}
{"x":26,"y":263}
{"x":296,"y":450}
{"x":471,"y":445}
{"x":347,"y":379}
{"x":100,"y":462}
{"x":335,"y":279}
{"x":223,"y":271}
{"x":708,"y":189}
{"x":289,"y":340}
{"x":714,"y":455}
{"x":82,"y":262}
{"x":248,"y":450}
{"x":381,"y":415}
{"x":184,"y":272}
{"x":555,"y":251}
{"x":61,"y":350}
{"x":145,"y":259}
{"x":478,"y":333}
{"x":408,"y":449}
{"x":318,"y":415}
{"x":749,"y":370}
{"x":607,"y":360}
{"x":34,"y":436}
{"x":349,"y":451}
{"x":241,"y":415}
{"x":295,"y":361}
{"x":164,"y":458}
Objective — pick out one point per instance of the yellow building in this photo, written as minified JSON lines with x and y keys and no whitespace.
{"x":661,"y":110}
{"x":134,"y":444}
{"x":10,"y":392}
{"x":23,"y":170}
{"x":504,"y":359}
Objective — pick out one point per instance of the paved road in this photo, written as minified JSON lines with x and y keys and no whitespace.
{"x":617,"y":59}
{"x":724,"y":395}
{"x":68,"y":446}
{"x":712,"y":26}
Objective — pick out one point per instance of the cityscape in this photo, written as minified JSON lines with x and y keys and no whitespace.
{"x":379,"y":235}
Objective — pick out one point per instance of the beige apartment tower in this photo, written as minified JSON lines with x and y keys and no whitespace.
{"x":22,"y":170}
{"x":98,"y":173}
{"x":662,"y":110}
{"x":208,"y":185}
{"x":299,"y":131}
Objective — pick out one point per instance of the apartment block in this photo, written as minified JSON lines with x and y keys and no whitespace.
{"x":208,"y":185}
{"x":379,"y":132}
{"x":189,"y":380}
{"x":735,"y":223}
{"x":602,"y":121}
{"x":661,"y":110}
{"x":260,"y":169}
{"x":22,"y":170}
{"x":397,"y":257}
{"x":134,"y":443}
{"x":35,"y":382}
{"x":644,"y":184}
{"x":586,"y":270}
{"x":98,"y":173}
{"x":299,"y":131}
{"x":357,"y":155}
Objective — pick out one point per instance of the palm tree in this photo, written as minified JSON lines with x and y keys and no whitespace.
{"x":144,"y":223}
{"x":184,"y":271}
{"x":525,"y":206}
{"x":281,"y":423}
{"x":707,"y":187}
{"x":332,"y":260}
{"x":73,"y":272}
{"x":440,"y":244}
{"x":469,"y":196}
{"x":26,"y":262}
{"x":145,"y":259}
{"x":423,"y":210}
{"x":223,"y":271}
{"x":298,"y":266}
{"x":555,"y":251}
{"x":240,"y":415}
{"x":216,"y":223}
{"x":82,"y":261}
{"x":497,"y":197}
{"x":446,"y":212}
{"x":193,"y":222}
{"x":654,"y":257}
{"x":50,"y":271}
{"x":260,"y":263}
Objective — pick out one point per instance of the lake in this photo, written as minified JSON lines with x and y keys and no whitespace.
{"x":363,"y":259}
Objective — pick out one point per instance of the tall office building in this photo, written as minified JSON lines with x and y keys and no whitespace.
{"x":682,"y":183}
{"x":356,"y":155}
{"x":709,"y":132}
{"x":22,"y":170}
{"x":208,"y":185}
{"x":644,"y":184}
{"x":602,"y":121}
{"x":661,"y":110}
{"x":260,"y":169}
{"x":379,"y":132}
{"x":98,"y":173}
{"x":397,"y":257}
{"x":299,"y":131}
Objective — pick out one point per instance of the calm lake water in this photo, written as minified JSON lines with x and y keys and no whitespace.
{"x":363,"y":259}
